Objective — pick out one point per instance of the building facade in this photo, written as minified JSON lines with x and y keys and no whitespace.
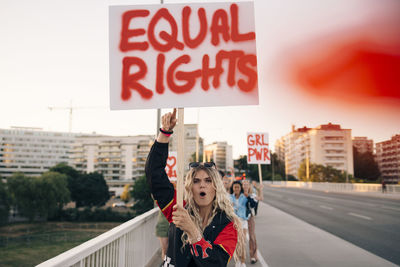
{"x":388,"y":158}
{"x":121,"y":159}
{"x":192,"y":143}
{"x":32,"y":151}
{"x":327,"y":144}
{"x":118,"y":158}
{"x":221,"y":154}
{"x":363,"y":144}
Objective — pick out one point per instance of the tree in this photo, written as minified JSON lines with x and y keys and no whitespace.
{"x":86,"y":189}
{"x":365,"y":166}
{"x":141,"y":193}
{"x":126,"y":195}
{"x":73,"y":178}
{"x":52,"y":193}
{"x":193,"y":157}
{"x":92,"y":190}
{"x":5,"y":202}
{"x":23,"y":192}
{"x":38,"y":196}
{"x":321,"y":173}
{"x":251,"y":170}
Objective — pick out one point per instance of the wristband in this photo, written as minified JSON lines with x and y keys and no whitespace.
{"x":166,"y":133}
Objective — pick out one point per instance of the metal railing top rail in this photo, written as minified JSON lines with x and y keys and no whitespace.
{"x":75,"y":254}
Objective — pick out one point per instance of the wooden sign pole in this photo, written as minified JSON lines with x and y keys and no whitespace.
{"x":180,"y":157}
{"x":259,"y":173}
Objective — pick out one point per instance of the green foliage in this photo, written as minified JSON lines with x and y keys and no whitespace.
{"x":321,"y":173}
{"x":38,"y":196}
{"x":92,"y":189}
{"x":73,"y":177}
{"x":5,"y":202}
{"x":23,"y":192}
{"x":52,"y":193}
{"x":251,"y":170}
{"x":193,"y":157}
{"x":365,"y":166}
{"x":92,"y":215}
{"x":141,"y":193}
{"x":86,"y":189}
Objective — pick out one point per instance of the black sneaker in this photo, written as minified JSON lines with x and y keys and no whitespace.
{"x":253,"y":260}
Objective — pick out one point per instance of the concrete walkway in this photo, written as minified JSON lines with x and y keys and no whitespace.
{"x":284,"y":240}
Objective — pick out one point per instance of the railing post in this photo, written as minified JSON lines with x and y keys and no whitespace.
{"x":121,"y":248}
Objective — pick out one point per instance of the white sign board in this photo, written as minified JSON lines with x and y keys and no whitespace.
{"x":172,"y":168}
{"x":182,"y":55}
{"x":258,"y":148}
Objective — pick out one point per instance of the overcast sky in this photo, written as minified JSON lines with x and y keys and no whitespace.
{"x":53,"y":52}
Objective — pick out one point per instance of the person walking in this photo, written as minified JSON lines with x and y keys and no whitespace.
{"x":226,"y":181}
{"x":239,"y":202}
{"x":252,"y":203}
{"x":205,"y":231}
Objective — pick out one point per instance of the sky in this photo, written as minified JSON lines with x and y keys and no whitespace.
{"x":318,"y":62}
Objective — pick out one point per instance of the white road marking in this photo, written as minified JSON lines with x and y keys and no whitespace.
{"x":360,"y":216}
{"x":325,"y":207}
{"x":261,"y":259}
{"x":390,"y":208}
{"x":259,"y":256}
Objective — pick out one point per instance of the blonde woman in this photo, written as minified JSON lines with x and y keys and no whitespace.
{"x":205,"y":231}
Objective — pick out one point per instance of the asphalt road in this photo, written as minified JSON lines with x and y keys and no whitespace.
{"x":368,"y":222}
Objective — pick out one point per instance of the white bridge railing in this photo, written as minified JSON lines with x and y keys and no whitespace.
{"x":338,"y":187}
{"x":132,"y":243}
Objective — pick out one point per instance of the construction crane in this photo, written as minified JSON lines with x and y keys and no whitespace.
{"x":71,"y":108}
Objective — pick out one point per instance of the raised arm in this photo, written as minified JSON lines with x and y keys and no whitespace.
{"x":161,"y":188}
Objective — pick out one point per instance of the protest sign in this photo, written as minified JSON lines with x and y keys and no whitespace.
{"x":171,"y":168}
{"x":258,"y":148}
{"x":182,"y":55}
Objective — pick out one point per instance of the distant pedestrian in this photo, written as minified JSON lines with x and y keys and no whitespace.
{"x":239,"y":202}
{"x":252,"y":203}
{"x":227,"y":181}
{"x":383,"y":186}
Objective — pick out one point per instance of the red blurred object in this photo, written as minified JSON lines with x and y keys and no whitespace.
{"x":352,"y":71}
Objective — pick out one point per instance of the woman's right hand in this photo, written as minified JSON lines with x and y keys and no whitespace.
{"x":168,"y":121}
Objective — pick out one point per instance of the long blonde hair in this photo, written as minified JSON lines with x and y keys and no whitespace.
{"x":220,"y":202}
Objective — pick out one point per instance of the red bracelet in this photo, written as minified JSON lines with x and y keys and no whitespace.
{"x":168,"y":134}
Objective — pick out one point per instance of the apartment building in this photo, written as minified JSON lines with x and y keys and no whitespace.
{"x":192,"y":143}
{"x":116,"y":157}
{"x":327,"y":144}
{"x":221,"y":154}
{"x":32,"y":151}
{"x":363,"y":144}
{"x":280,"y":149}
{"x":388,"y":158}
{"x":121,"y":159}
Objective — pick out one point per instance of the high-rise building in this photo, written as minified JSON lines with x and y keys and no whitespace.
{"x":280,"y":149}
{"x":32,"y":151}
{"x":388,"y":158}
{"x":327,"y":144}
{"x":221,"y":154}
{"x":116,"y":157}
{"x":192,"y":141}
{"x":287,"y":149}
{"x":121,"y":159}
{"x":363,"y":144}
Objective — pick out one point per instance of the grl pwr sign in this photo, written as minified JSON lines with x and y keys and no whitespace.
{"x":179,"y":55}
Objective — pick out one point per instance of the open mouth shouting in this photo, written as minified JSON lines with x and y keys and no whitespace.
{"x":202,"y":194}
